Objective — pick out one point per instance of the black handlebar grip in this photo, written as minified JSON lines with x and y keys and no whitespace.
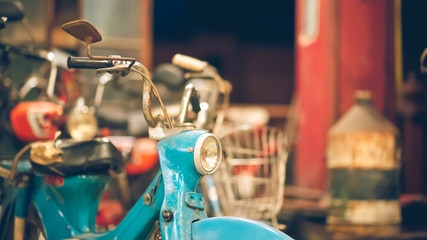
{"x":88,"y":63}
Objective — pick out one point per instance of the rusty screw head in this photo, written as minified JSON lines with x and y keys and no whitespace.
{"x":167,"y":215}
{"x":147,"y":199}
{"x":157,"y":234}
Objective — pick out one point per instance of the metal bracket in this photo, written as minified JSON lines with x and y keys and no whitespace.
{"x":160,"y":132}
{"x":195,"y":200}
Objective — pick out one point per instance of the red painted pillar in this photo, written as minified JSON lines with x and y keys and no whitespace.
{"x":341,"y":46}
{"x":316,"y":54}
{"x":363,"y":47}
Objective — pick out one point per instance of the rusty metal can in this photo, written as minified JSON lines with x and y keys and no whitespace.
{"x":363,"y":158}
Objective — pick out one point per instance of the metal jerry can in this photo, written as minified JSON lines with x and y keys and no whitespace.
{"x":363,"y":158}
{"x":35,"y":120}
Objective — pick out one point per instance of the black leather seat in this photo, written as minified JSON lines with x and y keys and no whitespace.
{"x":97,"y":156}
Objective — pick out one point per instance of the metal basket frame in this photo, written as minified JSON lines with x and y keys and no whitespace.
{"x":251,"y":178}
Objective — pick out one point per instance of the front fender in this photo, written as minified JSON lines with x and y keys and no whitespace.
{"x":234,"y":228}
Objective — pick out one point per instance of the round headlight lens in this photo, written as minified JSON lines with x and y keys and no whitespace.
{"x":207,"y":154}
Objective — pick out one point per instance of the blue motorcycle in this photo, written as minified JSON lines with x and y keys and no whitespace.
{"x":55,"y":193}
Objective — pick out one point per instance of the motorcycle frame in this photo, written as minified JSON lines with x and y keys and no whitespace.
{"x":173,"y":189}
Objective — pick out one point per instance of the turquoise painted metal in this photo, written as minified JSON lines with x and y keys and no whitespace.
{"x":137,"y":224}
{"x":180,"y":177}
{"x":71,"y":208}
{"x":235,"y":228}
{"x":23,"y":165}
{"x":213,"y":199}
{"x":141,"y":219}
{"x":22,"y":201}
{"x":172,"y":204}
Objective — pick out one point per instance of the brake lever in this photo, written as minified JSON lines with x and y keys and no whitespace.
{"x":121,"y":68}
{"x":195,"y":101}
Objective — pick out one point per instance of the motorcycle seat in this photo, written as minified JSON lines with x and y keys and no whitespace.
{"x":93,"y":157}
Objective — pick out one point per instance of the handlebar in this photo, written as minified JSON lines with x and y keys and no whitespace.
{"x":201,"y":68}
{"x":189,"y":63}
{"x":118,"y":66}
{"x":88,"y":63}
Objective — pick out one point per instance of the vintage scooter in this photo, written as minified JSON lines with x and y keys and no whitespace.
{"x":66,"y":178}
{"x":213,"y":91}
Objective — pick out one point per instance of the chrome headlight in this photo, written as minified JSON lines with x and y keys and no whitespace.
{"x":207,"y":154}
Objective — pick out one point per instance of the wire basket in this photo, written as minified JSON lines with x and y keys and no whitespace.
{"x":251,"y":179}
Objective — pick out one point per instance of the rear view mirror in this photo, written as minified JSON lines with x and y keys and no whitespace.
{"x":82,"y":30}
{"x":86,"y":32}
